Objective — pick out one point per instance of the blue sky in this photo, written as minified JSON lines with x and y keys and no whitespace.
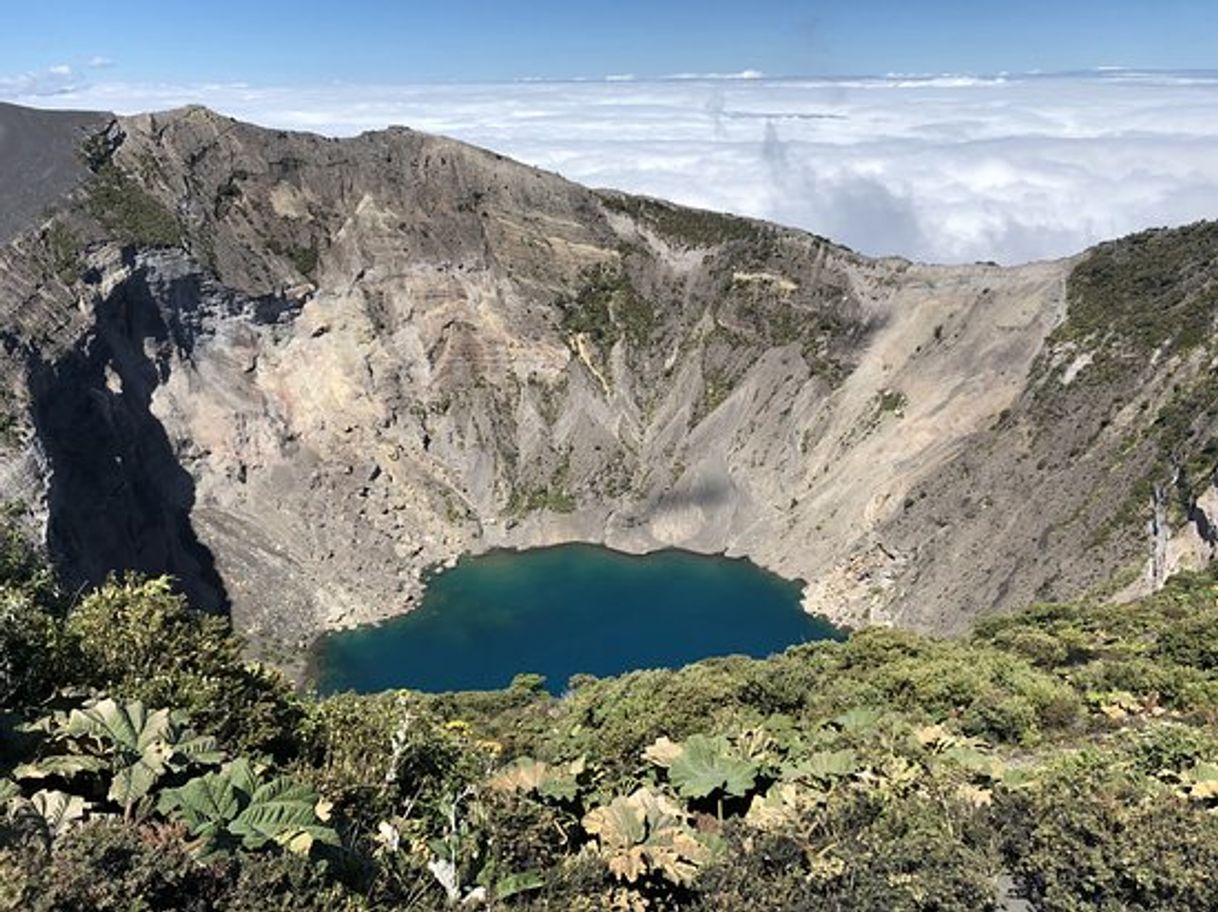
{"x":991,"y":163}
{"x":310,"y":42}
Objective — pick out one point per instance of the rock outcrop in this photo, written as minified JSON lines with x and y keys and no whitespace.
{"x":295,"y":371}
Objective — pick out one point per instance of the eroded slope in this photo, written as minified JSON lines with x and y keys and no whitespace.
{"x":307,"y":368}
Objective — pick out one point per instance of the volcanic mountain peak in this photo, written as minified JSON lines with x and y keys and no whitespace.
{"x":296,"y":370}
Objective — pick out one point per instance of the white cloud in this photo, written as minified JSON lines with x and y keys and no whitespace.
{"x":743,"y":74}
{"x":945,"y":167}
{"x":33,"y":87}
{"x":99,"y":62}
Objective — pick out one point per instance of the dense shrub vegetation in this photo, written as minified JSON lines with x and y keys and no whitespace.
{"x":1068,"y":753}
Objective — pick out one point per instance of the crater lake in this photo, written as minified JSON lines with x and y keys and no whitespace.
{"x":568,"y":610}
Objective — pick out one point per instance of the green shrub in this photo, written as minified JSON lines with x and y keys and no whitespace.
{"x":138,"y":640}
{"x":29,"y":650}
{"x":113,"y":866}
{"x":1094,"y":835}
{"x":1192,"y":641}
{"x":862,"y":855}
{"x":128,"y":210}
{"x":284,"y":882}
{"x":374,"y":755}
{"x":996,"y":695}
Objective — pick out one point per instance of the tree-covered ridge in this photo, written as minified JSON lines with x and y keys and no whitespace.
{"x":1068,"y":753}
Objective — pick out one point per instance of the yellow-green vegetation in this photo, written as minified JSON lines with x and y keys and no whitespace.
{"x":555,"y":495}
{"x":63,"y":252}
{"x":891,"y":402}
{"x":129,"y":211}
{"x":304,"y":258}
{"x":119,"y":200}
{"x":556,"y":500}
{"x":1069,"y":750}
{"x":687,"y":227}
{"x":607,"y":307}
{"x":716,"y":387}
{"x":1141,"y":311}
{"x":815,"y":330}
{"x":1132,"y":296}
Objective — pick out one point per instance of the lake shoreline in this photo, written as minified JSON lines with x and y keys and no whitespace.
{"x":754,"y":586}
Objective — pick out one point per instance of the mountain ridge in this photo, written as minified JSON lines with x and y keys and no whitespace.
{"x":313,"y":367}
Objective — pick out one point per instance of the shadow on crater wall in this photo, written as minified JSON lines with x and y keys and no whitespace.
{"x":118,"y":498}
{"x":707,"y":493}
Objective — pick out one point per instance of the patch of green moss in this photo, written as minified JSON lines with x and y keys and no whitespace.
{"x":63,"y":252}
{"x":716,"y":387}
{"x":303,"y":258}
{"x":554,"y":496}
{"x":891,"y":401}
{"x":134,"y":215}
{"x":1158,"y":289}
{"x":688,"y":227}
{"x":608,"y":307}
{"x":556,"y":501}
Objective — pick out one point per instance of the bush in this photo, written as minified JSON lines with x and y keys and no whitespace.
{"x":283,"y":882}
{"x":1192,"y":641}
{"x":29,"y":650}
{"x":1095,"y":835}
{"x":138,"y":640}
{"x":30,"y":610}
{"x":112,"y":866}
{"x":860,"y":854}
{"x":995,"y":695}
{"x":376,"y":755}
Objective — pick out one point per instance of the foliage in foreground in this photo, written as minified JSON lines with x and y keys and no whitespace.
{"x":1069,"y":750}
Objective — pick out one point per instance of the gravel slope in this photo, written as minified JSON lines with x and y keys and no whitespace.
{"x":38,"y":160}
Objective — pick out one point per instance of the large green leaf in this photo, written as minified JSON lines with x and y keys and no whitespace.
{"x":192,"y":749}
{"x":131,"y":783}
{"x":130,"y":727}
{"x":65,"y":766}
{"x":646,"y":832}
{"x":137,"y":746}
{"x":858,"y":720}
{"x":517,"y":884}
{"x":279,"y":811}
{"x":619,"y":824}
{"x":823,"y":766}
{"x":206,"y":804}
{"x":57,"y":811}
{"x":975,"y":761}
{"x":557,"y":783}
{"x":706,"y":765}
{"x":233,"y":805}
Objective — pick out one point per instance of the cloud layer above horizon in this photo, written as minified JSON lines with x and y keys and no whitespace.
{"x":946,"y":169}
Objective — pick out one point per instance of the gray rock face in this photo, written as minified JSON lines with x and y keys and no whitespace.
{"x":40,"y":152}
{"x":295,"y":371}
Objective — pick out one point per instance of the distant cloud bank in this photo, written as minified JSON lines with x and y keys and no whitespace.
{"x":941,"y":168}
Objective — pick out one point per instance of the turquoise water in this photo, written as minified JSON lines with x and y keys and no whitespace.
{"x":570,"y":609}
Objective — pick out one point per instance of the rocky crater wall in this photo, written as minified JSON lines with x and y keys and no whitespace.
{"x":296,"y":371}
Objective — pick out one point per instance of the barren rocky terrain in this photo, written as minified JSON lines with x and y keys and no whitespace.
{"x":296,"y":371}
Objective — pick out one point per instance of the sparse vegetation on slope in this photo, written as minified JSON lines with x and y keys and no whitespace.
{"x":1154,"y":290}
{"x":683,"y":226}
{"x":128,"y":210}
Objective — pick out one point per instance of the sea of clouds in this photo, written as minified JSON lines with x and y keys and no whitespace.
{"x":939,"y":168}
